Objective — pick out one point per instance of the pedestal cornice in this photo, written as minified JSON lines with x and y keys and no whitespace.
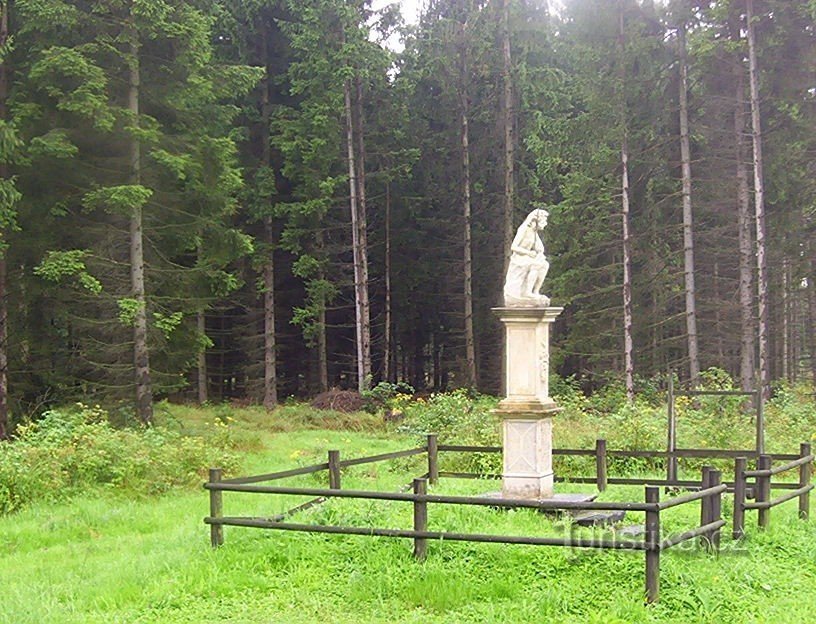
{"x":510,"y":314}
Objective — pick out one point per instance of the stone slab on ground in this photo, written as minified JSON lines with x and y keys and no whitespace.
{"x":633,"y":530}
{"x":598,"y":517}
{"x":560,"y":497}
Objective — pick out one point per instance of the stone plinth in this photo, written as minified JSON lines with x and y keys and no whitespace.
{"x":527,"y":409}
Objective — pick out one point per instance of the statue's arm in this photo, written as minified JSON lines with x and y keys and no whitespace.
{"x":521,"y":247}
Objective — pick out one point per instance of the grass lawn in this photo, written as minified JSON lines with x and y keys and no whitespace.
{"x":103,"y":558}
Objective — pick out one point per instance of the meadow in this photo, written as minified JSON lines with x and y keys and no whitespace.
{"x":93,"y":552}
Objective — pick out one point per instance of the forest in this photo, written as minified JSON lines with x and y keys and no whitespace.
{"x":249,"y":200}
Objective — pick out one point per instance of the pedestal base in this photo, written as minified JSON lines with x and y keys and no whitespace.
{"x":527,"y":450}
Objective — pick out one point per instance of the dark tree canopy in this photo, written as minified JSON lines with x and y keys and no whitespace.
{"x":206,"y":147}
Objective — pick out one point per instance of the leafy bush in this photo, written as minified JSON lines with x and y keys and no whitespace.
{"x":386,"y":396}
{"x":458,"y":417}
{"x":68,"y":451}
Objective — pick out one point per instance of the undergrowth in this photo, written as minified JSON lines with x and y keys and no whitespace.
{"x":72,"y":450}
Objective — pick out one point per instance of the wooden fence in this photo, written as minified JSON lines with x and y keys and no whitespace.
{"x":708,"y":490}
{"x":762,"y":488}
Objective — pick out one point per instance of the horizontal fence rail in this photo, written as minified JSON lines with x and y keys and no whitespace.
{"x":438,"y":535}
{"x":483,"y":501}
{"x":695,"y":453}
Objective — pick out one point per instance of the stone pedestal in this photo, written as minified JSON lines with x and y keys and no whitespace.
{"x":527,"y":409}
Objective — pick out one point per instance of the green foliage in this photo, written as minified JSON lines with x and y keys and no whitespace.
{"x":53,"y":144}
{"x":122,"y":199}
{"x":167,"y":323}
{"x":386,"y":396}
{"x":458,"y":417}
{"x":75,"y":82}
{"x":69,"y":451}
{"x":128,"y":309}
{"x":58,"y":265}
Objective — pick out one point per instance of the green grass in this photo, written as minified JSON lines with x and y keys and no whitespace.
{"x":105,"y":558}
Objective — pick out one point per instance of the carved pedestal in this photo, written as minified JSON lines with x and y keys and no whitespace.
{"x":527,"y":409}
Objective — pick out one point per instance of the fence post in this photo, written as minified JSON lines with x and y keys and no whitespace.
{"x":705,"y":504}
{"x":740,"y":466}
{"x":715,"y":509}
{"x":671,"y":443}
{"x":760,"y":417}
{"x":420,"y":519}
{"x":334,"y":470}
{"x":652,"y":539}
{"x":763,"y":490}
{"x":804,"y":481}
{"x":216,"y":510}
{"x":600,"y":464}
{"x":433,"y":459}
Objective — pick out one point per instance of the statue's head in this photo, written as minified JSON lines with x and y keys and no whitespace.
{"x":538,"y":218}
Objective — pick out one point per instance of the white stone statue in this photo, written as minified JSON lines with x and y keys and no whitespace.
{"x":528,"y":265}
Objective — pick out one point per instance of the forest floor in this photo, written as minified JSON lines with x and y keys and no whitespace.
{"x":104,"y":558}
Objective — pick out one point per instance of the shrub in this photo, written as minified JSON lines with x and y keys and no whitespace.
{"x":386,"y":396}
{"x":68,"y":451}
{"x":458,"y":417}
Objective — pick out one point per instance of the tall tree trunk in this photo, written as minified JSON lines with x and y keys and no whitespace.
{"x":141,"y":359}
{"x":811,"y":315}
{"x":3,"y":349}
{"x":387,"y":348}
{"x":629,"y":367}
{"x":202,"y":377}
{"x":759,"y":205}
{"x":718,"y":316}
{"x":786,"y":307}
{"x":322,"y":348}
{"x":270,"y":400}
{"x":464,"y":106}
{"x":362,"y":226}
{"x":359,"y":254}
{"x":509,"y":139}
{"x":4,"y":26}
{"x":688,"y":224}
{"x":746,"y":273}
{"x":270,"y":395}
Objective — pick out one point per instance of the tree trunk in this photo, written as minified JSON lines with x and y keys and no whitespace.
{"x":718,"y":317}
{"x":270,"y":395}
{"x":759,"y":206}
{"x":322,"y":349}
{"x":509,"y":140}
{"x":362,"y":235}
{"x":629,"y":368}
{"x":359,"y":254}
{"x":141,"y":359}
{"x":786,"y":307}
{"x":3,"y":292}
{"x":202,"y":378}
{"x":3,"y":348}
{"x":464,"y":105}
{"x":387,"y":348}
{"x":746,"y":273}
{"x":688,"y":228}
{"x":811,"y":316}
{"x":270,"y":400}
